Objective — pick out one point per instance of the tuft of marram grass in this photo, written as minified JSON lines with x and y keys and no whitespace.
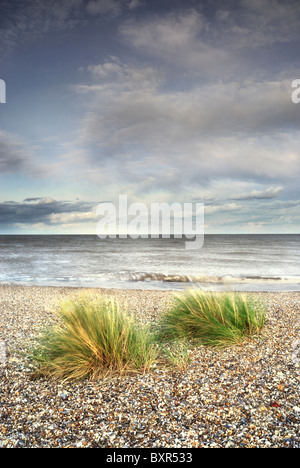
{"x":211,"y":319}
{"x":93,"y":339}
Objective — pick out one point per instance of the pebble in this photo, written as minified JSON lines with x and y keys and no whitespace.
{"x":245,"y":396}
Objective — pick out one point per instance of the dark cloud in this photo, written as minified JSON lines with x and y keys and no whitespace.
{"x":44,"y":210}
{"x":14,"y":156}
{"x":111,"y":7}
{"x":27,"y":20}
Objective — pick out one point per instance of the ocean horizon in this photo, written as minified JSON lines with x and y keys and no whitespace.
{"x":238,"y":262}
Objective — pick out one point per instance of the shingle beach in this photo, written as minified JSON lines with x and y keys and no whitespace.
{"x":246,"y":396}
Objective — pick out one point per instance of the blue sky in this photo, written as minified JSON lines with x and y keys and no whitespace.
{"x":163,"y":101}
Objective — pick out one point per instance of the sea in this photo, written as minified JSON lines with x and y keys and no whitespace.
{"x":225,"y":262}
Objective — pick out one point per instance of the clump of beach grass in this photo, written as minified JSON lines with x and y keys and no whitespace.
{"x":92,"y":339}
{"x":211,"y":319}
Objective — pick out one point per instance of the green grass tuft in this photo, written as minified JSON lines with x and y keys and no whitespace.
{"x":218,"y":320}
{"x":93,"y":339}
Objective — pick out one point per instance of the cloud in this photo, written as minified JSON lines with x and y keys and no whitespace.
{"x":278,"y":216}
{"x":135,"y":4}
{"x":64,"y":219}
{"x":186,"y":35}
{"x":19,"y":157}
{"x":269,"y":21}
{"x":113,"y":7}
{"x":156,"y":137}
{"x":45,"y":210}
{"x":27,"y":20}
{"x":230,"y":207}
{"x":40,"y":200}
{"x":16,"y":156}
{"x":126,"y":94}
{"x":179,"y":40}
{"x":230,"y":42}
{"x":121,"y":77}
{"x":269,"y":193}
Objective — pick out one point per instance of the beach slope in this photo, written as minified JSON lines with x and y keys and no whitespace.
{"x":246,"y":396}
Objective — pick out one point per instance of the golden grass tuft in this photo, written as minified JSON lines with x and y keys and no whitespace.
{"x":93,"y":339}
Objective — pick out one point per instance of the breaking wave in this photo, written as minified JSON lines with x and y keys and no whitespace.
{"x":179,"y":278}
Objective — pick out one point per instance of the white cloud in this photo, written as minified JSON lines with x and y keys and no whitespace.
{"x":230,"y":43}
{"x":269,"y":193}
{"x":131,"y":92}
{"x":73,"y":218}
{"x":121,"y":77}
{"x":220,"y":208}
{"x":177,"y":39}
{"x":175,"y":138}
{"x":270,"y":21}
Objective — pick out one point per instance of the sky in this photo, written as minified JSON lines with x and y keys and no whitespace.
{"x":163,"y":101}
